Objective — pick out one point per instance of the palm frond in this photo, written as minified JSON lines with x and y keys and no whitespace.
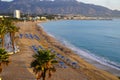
{"x":43,"y":62}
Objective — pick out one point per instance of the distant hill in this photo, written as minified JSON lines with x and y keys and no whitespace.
{"x":56,"y":7}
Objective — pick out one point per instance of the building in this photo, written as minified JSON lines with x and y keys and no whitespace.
{"x":1,"y":16}
{"x":17,"y":14}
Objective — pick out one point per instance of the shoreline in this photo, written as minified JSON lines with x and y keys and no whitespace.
{"x":19,"y":66}
{"x":52,"y":40}
{"x":103,"y":66}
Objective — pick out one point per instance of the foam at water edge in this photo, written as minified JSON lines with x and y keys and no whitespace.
{"x":86,"y":54}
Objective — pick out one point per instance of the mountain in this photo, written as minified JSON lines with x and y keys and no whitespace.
{"x":56,"y":7}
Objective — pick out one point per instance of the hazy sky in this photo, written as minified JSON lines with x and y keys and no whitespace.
{"x":112,"y":4}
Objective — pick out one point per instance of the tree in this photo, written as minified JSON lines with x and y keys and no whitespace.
{"x":7,"y":26}
{"x":3,"y":31}
{"x":43,"y":64}
{"x":12,"y":30}
{"x":3,"y":58}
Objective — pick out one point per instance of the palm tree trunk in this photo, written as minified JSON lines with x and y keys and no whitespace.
{"x":2,"y":36}
{"x":44,"y":74}
{"x":12,"y":40}
{"x":10,"y":36}
{"x":13,"y":35}
{"x":0,"y":67}
{"x":37,"y":79}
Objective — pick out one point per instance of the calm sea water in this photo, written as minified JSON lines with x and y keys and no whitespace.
{"x":93,"y":39}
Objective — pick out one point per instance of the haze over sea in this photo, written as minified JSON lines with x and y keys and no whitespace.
{"x":94,"y":40}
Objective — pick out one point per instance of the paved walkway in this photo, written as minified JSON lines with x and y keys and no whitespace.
{"x":19,"y":66}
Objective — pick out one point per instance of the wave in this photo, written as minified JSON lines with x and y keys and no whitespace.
{"x":112,"y":37}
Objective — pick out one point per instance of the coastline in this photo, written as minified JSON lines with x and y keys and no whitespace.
{"x":99,"y":64}
{"x":20,"y":62}
{"x":52,"y":41}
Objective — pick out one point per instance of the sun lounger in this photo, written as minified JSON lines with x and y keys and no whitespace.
{"x":75,"y":65}
{"x":68,"y":61}
{"x":62,"y":64}
{"x":36,"y":37}
{"x":31,"y":36}
{"x":26,"y":35}
{"x":21,"y":35}
{"x":34,"y":48}
{"x":58,"y":55}
{"x":51,"y":49}
{"x":40,"y":47}
{"x":61,"y":57}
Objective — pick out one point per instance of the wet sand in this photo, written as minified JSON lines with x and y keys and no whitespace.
{"x":19,"y":68}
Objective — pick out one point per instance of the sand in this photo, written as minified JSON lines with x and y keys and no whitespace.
{"x":19,"y":67}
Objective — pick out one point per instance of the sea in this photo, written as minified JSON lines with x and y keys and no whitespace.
{"x":97,"y":41}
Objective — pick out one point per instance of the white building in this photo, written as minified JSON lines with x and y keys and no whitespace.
{"x":1,"y":16}
{"x":17,"y":14}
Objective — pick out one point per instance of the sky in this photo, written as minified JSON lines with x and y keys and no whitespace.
{"x":112,"y":4}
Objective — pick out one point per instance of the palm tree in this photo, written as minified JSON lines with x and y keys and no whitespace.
{"x":12,"y":30}
{"x":43,"y":64}
{"x":7,"y":26}
{"x":3,"y":31}
{"x":3,"y":58}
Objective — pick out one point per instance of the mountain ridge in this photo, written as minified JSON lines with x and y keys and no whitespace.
{"x":56,"y":7}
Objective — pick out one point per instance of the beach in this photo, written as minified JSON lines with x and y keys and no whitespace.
{"x":19,"y":67}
